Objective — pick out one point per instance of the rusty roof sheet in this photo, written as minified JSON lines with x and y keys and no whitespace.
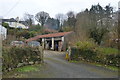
{"x":48,"y":36}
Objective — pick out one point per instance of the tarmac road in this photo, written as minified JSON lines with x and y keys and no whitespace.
{"x":63,"y":69}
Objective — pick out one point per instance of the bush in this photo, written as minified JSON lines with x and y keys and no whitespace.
{"x":6,"y":25}
{"x":86,"y":54}
{"x":108,"y":56}
{"x":84,"y":49}
{"x":105,"y":50}
{"x":12,"y":56}
{"x":90,"y":52}
{"x":26,"y":34}
{"x":86,"y":45}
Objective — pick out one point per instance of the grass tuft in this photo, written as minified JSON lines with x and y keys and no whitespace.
{"x":27,"y":69}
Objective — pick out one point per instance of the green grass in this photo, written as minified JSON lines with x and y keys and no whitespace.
{"x":108,"y":67}
{"x":27,"y":68}
{"x":22,"y":70}
{"x":106,"y":51}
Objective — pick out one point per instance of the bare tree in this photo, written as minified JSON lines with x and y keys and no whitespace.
{"x":70,"y":14}
{"x":71,"y":19}
{"x":29,"y":19}
{"x":42,"y":17}
{"x":61,"y":18}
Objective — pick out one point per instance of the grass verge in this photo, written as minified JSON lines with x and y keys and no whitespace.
{"x":18,"y":71}
{"x":27,"y":68}
{"x":97,"y":64}
{"x":107,"y":51}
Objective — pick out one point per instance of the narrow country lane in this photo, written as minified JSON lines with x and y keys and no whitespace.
{"x":64,"y":69}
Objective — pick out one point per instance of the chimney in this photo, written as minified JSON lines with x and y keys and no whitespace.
{"x":17,"y":19}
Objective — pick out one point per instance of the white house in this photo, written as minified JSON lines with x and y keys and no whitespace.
{"x":3,"y":33}
{"x":15,"y":23}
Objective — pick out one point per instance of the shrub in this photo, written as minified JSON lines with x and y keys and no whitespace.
{"x":86,"y":45}
{"x":105,"y":50}
{"x":108,"y":56}
{"x":84,"y":49}
{"x":25,"y":33}
{"x":88,"y":54}
{"x":91,"y":52}
{"x":12,"y":56}
{"x":6,"y":25}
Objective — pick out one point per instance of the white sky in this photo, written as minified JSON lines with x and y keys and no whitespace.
{"x":51,"y":6}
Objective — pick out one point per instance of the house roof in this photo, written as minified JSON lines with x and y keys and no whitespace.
{"x":9,"y":20}
{"x":24,"y":23}
{"x":49,"y":35}
{"x":13,"y":20}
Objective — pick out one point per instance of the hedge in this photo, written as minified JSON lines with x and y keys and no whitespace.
{"x":95,"y":56}
{"x":14,"y":56}
{"x":91,"y":52}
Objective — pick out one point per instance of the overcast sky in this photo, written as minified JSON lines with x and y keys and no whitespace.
{"x":14,"y":8}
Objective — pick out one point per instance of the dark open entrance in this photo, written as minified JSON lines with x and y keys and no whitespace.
{"x":57,"y":45}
